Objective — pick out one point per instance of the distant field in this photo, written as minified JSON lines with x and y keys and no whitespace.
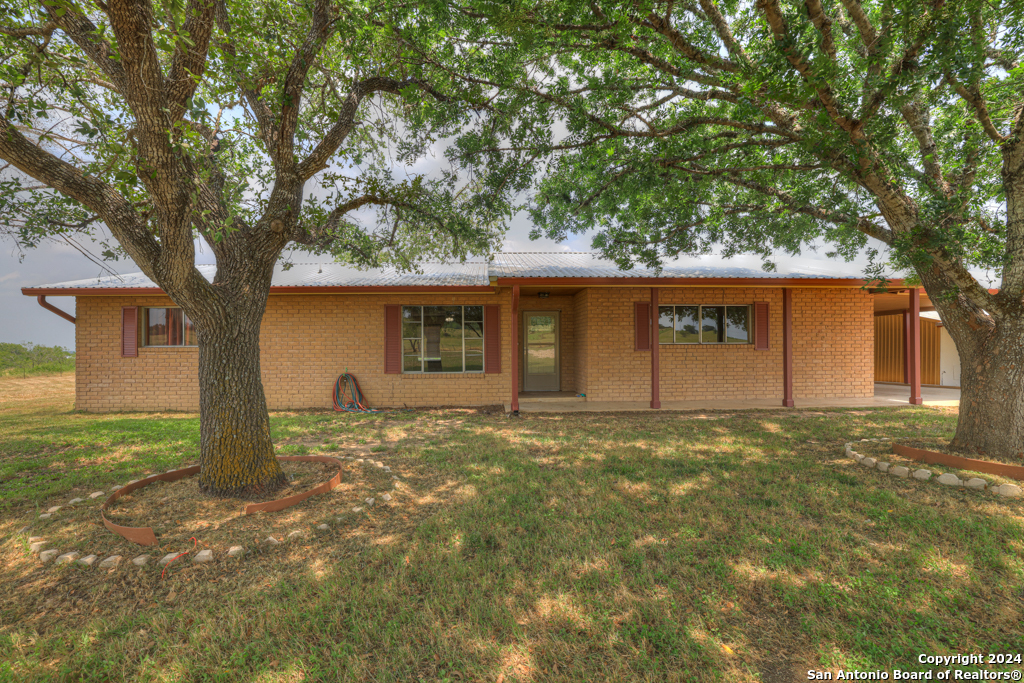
{"x":20,"y":360}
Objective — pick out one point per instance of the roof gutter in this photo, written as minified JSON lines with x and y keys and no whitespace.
{"x":685,"y":282}
{"x":280,"y":289}
{"x":53,"y":309}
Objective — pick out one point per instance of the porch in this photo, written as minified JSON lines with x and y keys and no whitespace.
{"x":626,"y":348}
{"x":886,"y":395}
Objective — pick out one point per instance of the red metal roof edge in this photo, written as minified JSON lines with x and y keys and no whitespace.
{"x":691,"y":281}
{"x":500,"y":281}
{"x":279,"y":289}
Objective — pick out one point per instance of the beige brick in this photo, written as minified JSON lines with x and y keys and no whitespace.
{"x":308,"y":340}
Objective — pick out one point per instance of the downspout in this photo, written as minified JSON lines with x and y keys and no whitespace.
{"x":53,"y":309}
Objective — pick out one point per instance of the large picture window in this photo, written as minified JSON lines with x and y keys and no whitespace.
{"x":704,"y":325}
{"x":167,"y":327}
{"x":442,"y":338}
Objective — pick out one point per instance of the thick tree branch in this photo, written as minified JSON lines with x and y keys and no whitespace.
{"x":869,"y":228}
{"x":100,"y":198}
{"x":679,"y":42}
{"x":916,"y":116}
{"x":724,"y":31}
{"x":294,"y":82}
{"x":322,"y":153}
{"x":972,"y":96}
{"x":868,"y":34}
{"x":265,"y":118}
{"x":823,"y":23}
{"x":86,"y":36}
{"x":773,"y":14}
{"x":44,"y":30}
{"x":189,"y":60}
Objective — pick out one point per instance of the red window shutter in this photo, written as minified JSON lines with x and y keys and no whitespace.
{"x":129,"y":331}
{"x":761,"y":337}
{"x":492,"y":339}
{"x":393,"y":340}
{"x":643,"y":326}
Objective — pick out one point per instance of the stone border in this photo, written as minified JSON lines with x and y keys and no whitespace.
{"x":143,"y":535}
{"x":948,"y":479}
{"x":1001,"y":469}
{"x":38,"y":543}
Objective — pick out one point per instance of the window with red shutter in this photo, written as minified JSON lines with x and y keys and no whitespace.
{"x":492,"y":339}
{"x":642,"y":321}
{"x":129,"y":332}
{"x":393,"y":340}
{"x":762,"y":340}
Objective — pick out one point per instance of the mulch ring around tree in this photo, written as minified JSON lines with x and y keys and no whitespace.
{"x":179,"y":512}
{"x":45,"y":594}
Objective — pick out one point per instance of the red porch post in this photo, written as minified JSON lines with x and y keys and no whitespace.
{"x":655,"y":371}
{"x":515,"y":349}
{"x":787,"y":347}
{"x":906,"y":347}
{"x":914,"y":350}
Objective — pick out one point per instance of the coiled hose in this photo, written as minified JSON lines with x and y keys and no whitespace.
{"x":348,"y":397}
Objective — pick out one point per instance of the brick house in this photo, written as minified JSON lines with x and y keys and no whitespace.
{"x":482,"y":332}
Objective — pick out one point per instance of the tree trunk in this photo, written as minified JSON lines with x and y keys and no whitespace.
{"x":991,"y":351}
{"x":236,"y":452}
{"x":991,"y":418}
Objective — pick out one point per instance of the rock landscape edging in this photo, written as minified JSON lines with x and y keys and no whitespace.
{"x":948,"y":479}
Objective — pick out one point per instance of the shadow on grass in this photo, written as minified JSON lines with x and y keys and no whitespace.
{"x":587,"y":547}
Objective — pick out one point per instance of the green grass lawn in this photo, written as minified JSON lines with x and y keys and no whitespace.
{"x":582,"y":547}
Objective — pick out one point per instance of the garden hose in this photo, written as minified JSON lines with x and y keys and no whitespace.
{"x":348,"y":397}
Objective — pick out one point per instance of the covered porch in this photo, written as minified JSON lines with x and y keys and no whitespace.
{"x":599,"y":341}
{"x":886,"y":396}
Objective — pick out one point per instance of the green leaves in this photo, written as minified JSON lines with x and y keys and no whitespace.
{"x":649,"y":128}
{"x":221,"y":143}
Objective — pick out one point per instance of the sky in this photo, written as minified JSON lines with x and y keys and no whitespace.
{"x":25,"y":321}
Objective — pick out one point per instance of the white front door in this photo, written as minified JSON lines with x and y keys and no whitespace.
{"x":540,"y":351}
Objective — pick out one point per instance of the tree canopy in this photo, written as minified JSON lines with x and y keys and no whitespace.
{"x":761,"y":126}
{"x":254,"y":126}
{"x":169,"y":120}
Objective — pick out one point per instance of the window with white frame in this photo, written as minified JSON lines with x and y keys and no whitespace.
{"x":704,"y":325}
{"x":167,"y":327}
{"x":442,"y":338}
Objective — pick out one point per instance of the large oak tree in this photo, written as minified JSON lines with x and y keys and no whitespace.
{"x":251,"y":124}
{"x":675,"y":125}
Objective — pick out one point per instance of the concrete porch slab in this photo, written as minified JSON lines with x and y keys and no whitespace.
{"x":886,"y":395}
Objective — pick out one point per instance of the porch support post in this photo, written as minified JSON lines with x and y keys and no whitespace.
{"x":914,"y":350}
{"x":655,"y":371}
{"x":515,"y":349}
{"x":787,"y":347}
{"x":906,"y":347}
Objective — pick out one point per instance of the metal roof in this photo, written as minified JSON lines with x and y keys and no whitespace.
{"x":477,"y":273}
{"x":591,"y":265}
{"x":469,"y":274}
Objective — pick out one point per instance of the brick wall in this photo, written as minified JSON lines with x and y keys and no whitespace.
{"x":833,"y":343}
{"x":708,"y":371}
{"x":306,"y":341}
{"x":833,"y":347}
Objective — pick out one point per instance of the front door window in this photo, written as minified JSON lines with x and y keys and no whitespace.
{"x":541,"y":351}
